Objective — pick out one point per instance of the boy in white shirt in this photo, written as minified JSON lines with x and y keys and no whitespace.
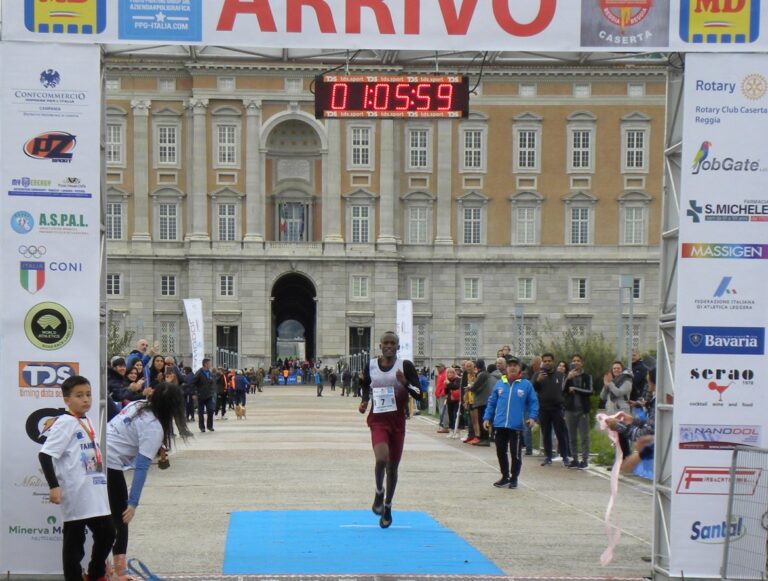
{"x":74,"y":469}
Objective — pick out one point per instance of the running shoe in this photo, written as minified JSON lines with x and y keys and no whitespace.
{"x":378,"y":503}
{"x":547,"y":462}
{"x":473,"y":441}
{"x":386,"y":517}
{"x":512,"y":484}
{"x":502,"y":483}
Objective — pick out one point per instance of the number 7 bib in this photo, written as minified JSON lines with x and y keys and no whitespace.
{"x":384,"y":399}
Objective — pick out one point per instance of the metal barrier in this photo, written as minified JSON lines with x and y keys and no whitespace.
{"x":227,"y":359}
{"x":745,"y":553}
{"x":355,"y":362}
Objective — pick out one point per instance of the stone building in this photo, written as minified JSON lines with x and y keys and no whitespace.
{"x":518,"y":220}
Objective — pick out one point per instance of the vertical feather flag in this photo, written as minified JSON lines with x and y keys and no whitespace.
{"x":283,"y":219}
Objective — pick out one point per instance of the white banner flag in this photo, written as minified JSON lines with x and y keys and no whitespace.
{"x":405,"y":329}
{"x":194,"y":310}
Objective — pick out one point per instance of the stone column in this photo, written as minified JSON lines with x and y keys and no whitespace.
{"x":444,"y":175}
{"x":387,"y":183}
{"x":254,"y":182}
{"x":198,"y":187}
{"x":141,"y":170}
{"x":332,"y":184}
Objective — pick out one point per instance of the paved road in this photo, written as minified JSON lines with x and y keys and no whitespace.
{"x":296,"y":451}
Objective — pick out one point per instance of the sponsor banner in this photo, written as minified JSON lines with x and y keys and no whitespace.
{"x":547,"y":25}
{"x":719,"y":359}
{"x":405,"y":329}
{"x":50,"y":102}
{"x":194,"y":311}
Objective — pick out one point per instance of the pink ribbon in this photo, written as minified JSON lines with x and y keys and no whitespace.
{"x":612,"y":531}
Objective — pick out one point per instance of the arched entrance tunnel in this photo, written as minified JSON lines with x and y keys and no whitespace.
{"x":294,"y":314}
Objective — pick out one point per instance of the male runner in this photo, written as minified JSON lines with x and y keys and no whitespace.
{"x":388,"y":381}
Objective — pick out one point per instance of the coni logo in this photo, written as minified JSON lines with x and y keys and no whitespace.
{"x":65,"y":16}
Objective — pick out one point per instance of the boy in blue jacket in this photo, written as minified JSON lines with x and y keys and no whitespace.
{"x":511,"y":400}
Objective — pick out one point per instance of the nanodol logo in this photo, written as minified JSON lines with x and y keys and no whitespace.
{"x":718,"y":437}
{"x":66,"y":16}
{"x":754,"y":86}
{"x":55,"y":146}
{"x":716,"y":533}
{"x":719,"y":21}
{"x":724,"y":340}
{"x":50,"y":79}
{"x":48,"y":326}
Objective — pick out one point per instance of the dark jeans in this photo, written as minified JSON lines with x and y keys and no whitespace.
{"x":453,"y":412}
{"x":319,"y":389}
{"x":221,"y":404}
{"x":553,"y":418}
{"x":206,"y":409}
{"x":512,"y":441}
{"x":189,"y":406}
{"x":578,"y":429}
{"x":73,"y":549}
{"x":118,"y":502}
{"x":240,"y":398}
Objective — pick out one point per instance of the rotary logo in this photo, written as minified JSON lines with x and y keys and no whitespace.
{"x":754,"y":86}
{"x":624,"y":13}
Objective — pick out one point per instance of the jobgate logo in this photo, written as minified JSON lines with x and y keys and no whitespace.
{"x":717,"y":533}
{"x":724,"y":340}
{"x":749,"y":211}
{"x":719,"y":21}
{"x":54,"y":146}
{"x":37,"y":375}
{"x":704,"y":162}
{"x":718,"y":437}
{"x":65,"y":16}
{"x":716,"y":480}
{"x":22,"y":222}
{"x":724,"y":251}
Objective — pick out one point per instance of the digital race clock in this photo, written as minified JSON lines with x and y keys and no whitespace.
{"x":338,"y":96}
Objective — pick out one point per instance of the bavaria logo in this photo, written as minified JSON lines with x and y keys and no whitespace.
{"x":717,"y":533}
{"x":66,"y":16}
{"x":719,"y":21}
{"x":55,"y":146}
{"x":50,"y":79}
{"x":32,"y":276}
{"x":724,"y":340}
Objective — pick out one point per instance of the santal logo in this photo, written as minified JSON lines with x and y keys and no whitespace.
{"x":717,"y":533}
{"x":66,"y":16}
{"x":719,"y":21}
{"x":724,"y":340}
{"x":702,"y":162}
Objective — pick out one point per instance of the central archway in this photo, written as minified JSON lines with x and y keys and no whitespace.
{"x":294,"y":314}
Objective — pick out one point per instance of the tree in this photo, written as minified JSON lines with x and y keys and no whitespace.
{"x":117,"y":342}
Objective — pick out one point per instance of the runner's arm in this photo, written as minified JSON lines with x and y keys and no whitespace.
{"x":412,"y":379}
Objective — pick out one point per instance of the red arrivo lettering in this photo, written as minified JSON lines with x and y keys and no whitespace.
{"x":322,"y":11}
{"x":233,"y":8}
{"x":380,"y":10}
{"x":412,"y":16}
{"x":457,"y":23}
{"x":511,"y":26}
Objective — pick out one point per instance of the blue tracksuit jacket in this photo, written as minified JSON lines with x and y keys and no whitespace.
{"x":507,"y":404}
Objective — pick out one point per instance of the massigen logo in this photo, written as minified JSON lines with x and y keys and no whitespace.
{"x":66,"y":16}
{"x":724,"y":340}
{"x":725,"y":251}
{"x":719,"y":21}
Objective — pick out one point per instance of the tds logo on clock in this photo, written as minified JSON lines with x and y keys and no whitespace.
{"x":719,"y":21}
{"x":66,"y":16}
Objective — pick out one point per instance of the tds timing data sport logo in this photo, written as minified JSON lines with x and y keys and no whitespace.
{"x":46,"y":374}
{"x":724,"y":340}
{"x":719,"y":21}
{"x":65,"y":16}
{"x":702,"y":162}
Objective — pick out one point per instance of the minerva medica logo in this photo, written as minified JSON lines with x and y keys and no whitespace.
{"x":719,"y":21}
{"x":724,"y":340}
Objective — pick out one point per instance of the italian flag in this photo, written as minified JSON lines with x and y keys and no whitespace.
{"x":32,"y":276}
{"x":283,"y":219}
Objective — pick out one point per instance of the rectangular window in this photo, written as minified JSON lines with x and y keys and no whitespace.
{"x":227,"y":222}
{"x":417,"y":225}
{"x":361,"y":224}
{"x":636,"y":89}
{"x":525,"y":289}
{"x":114,"y":144}
{"x":226,"y":145}
{"x":581,"y":147}
{"x":226,"y":84}
{"x":634,"y":225}
{"x":166,"y":85}
{"x":294,"y":84}
{"x":167,"y":146}
{"x":226,"y":285}
{"x":527,"y":89}
{"x":637,"y":289}
{"x":420,"y":340}
{"x":418,"y":288}
{"x":168,"y":285}
{"x":168,"y":337}
{"x":471,"y":339}
{"x":579,"y":226}
{"x":114,"y":287}
{"x":418,"y":149}
{"x":579,"y":289}
{"x":168,"y":222}
{"x":526,"y":339}
{"x":582,"y":90}
{"x":578,"y":330}
{"x":292,"y":224}
{"x":360,"y":287}
{"x":472,"y":225}
{"x":114,"y":221}
{"x":473,"y":149}
{"x":526,"y":150}
{"x":112,"y":84}
{"x":525,"y":226}
{"x":361,"y":147}
{"x":635,"y":149}
{"x":471,"y":289}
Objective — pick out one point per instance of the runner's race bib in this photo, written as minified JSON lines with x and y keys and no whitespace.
{"x":384,"y":399}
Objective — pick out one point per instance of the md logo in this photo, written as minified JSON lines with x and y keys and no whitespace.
{"x":724,"y":340}
{"x":65,"y":16}
{"x":719,"y":21}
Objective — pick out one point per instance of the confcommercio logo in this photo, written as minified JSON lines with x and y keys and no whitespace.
{"x":719,"y":21}
{"x":724,"y":340}
{"x":724,"y":251}
{"x":66,"y":16}
{"x":706,"y":161}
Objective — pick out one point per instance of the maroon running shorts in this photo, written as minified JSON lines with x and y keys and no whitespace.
{"x":386,"y":429}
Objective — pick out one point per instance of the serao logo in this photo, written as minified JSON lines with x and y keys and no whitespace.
{"x":719,"y":21}
{"x":66,"y":16}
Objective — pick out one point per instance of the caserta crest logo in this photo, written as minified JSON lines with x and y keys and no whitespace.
{"x":625,"y":13}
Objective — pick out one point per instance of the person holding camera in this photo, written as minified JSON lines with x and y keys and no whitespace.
{"x":549,"y":388}
{"x":577,"y":391}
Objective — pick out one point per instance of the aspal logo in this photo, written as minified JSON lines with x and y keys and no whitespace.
{"x":724,"y":340}
{"x":719,"y":21}
{"x":46,"y":374}
{"x":749,"y":211}
{"x":726,"y":297}
{"x":32,"y":275}
{"x":62,"y":223}
{"x":50,"y":78}
{"x":22,"y":222}
{"x":55,"y":146}
{"x":48,"y":326}
{"x":703,"y":163}
{"x":66,"y":16}
{"x":716,"y":533}
{"x":724,"y":251}
{"x":717,"y":437}
{"x":711,"y":480}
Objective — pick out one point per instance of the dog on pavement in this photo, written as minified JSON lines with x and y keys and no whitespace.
{"x":240,"y":412}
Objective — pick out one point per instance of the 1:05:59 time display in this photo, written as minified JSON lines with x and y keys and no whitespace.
{"x":407,"y":96}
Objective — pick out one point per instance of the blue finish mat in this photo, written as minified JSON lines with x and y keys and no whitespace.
{"x":347,"y":542}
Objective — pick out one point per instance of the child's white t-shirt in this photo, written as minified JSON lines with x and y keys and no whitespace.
{"x":131,"y":433}
{"x":83,"y":483}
